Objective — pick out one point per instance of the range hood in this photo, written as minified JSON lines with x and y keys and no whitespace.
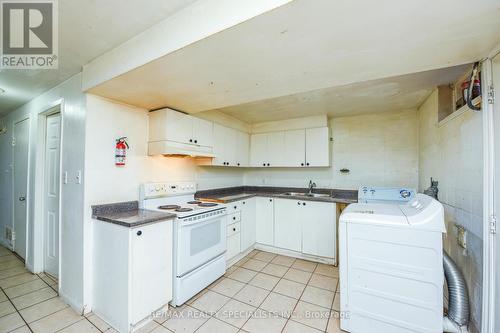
{"x":172,"y":148}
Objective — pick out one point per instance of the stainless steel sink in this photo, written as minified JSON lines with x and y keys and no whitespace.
{"x":303,"y":194}
{"x":296,"y":194}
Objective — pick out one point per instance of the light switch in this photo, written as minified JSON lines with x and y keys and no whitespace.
{"x":65,"y":177}
{"x":79,"y":177}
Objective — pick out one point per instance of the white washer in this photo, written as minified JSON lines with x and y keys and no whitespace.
{"x":391,"y":266}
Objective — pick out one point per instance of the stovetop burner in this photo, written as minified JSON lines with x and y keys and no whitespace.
{"x":183,"y":209}
{"x":194,"y":202}
{"x":207,"y":204}
{"x":169,"y":207}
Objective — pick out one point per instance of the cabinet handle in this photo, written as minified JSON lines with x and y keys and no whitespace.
{"x":243,"y":202}
{"x":234,"y":217}
{"x":303,"y":204}
{"x":301,"y":164}
{"x":190,"y":140}
{"x":139,"y":233}
{"x":234,"y":229}
{"x":195,"y":141}
{"x":307,"y":163}
{"x":270,"y":200}
{"x":268,"y":164}
{"x":298,"y":203}
{"x":238,"y":164}
{"x":264,"y":164}
{"x":235,"y":207}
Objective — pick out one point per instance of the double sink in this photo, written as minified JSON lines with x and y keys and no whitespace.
{"x":307,"y":194}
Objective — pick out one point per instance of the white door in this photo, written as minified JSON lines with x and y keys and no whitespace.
{"x":258,"y":150}
{"x":496,"y":190}
{"x":203,"y":132}
{"x":319,"y":222}
{"x":317,"y":147}
{"x":248,"y":228}
{"x":52,"y":193}
{"x":287,"y":224}
{"x":275,"y":149}
{"x":21,"y":151}
{"x":295,"y":148}
{"x":264,"y":220}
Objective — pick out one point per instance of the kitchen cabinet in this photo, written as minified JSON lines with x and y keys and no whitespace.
{"x":319,"y":232}
{"x":233,"y":241}
{"x":230,"y":147}
{"x":288,"y":215}
{"x":264,"y":217}
{"x":258,"y":150}
{"x":171,"y":125}
{"x":317,"y":147}
{"x":132,"y":272}
{"x":248,"y":227}
{"x":266,"y":149}
{"x":295,"y":148}
{"x":242,"y":148}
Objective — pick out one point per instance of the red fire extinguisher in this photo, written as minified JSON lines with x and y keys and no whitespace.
{"x":121,"y":151}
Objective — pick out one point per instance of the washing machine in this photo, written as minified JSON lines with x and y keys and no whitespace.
{"x":391,"y":263}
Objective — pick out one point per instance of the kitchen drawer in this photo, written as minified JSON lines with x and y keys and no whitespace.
{"x":233,"y":229}
{"x":233,"y":207}
{"x":234,"y":217}
{"x":233,"y":246}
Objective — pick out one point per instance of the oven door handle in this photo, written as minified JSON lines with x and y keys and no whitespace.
{"x":191,"y":223}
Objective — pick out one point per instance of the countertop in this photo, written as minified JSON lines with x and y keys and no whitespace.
{"x":128,"y":214}
{"x":231,"y":194}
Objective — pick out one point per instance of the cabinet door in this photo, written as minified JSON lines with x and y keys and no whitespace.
{"x":258,"y":149}
{"x":170,"y":125}
{"x":243,"y":149}
{"x":203,"y":132}
{"x":264,"y":217}
{"x":151,"y":268}
{"x":295,"y":148}
{"x":248,"y":228}
{"x":275,"y":149}
{"x":231,"y":146}
{"x":317,"y":147}
{"x":287,"y":224}
{"x":319,"y":222}
{"x":219,"y":146}
{"x":233,"y":246}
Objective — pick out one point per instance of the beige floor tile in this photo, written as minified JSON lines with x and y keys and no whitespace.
{"x":98,"y":322}
{"x":10,"y":264}
{"x":254,"y":265}
{"x":22,"y":329}
{"x":235,"y":313}
{"x":17,"y":280}
{"x":328,"y":270}
{"x":230,"y":270}
{"x":214,"y":325}
{"x":210,"y":302}
{"x":253,"y":253}
{"x":34,"y":297}
{"x":264,"y":322}
{"x":318,"y":296}
{"x":311,"y":315}
{"x":297,"y":275}
{"x":276,"y":270}
{"x":294,"y":327}
{"x":56,"y":321}
{"x":252,"y":295}
{"x":48,"y":280}
{"x":82,"y":326}
{"x":336,"y":302}
{"x":37,"y":311}
{"x":11,"y":272}
{"x":160,"y":329}
{"x":283,"y":261}
{"x":147,"y":328}
{"x":228,"y":287}
{"x":334,"y":323}
{"x":243,"y":275}
{"x":264,"y":256}
{"x":324,"y":282}
{"x":241,"y":261}
{"x":279,"y":304}
{"x":304,"y":265}
{"x":10,"y":322}
{"x":2,"y":296}
{"x":187,"y":320}
{"x":289,"y":288}
{"x":9,"y":257}
{"x":195,"y":297}
{"x":6,"y":308}
{"x":25,"y":288}
{"x":264,"y":281}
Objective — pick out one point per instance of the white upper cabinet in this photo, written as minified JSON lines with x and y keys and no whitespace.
{"x":230,"y":147}
{"x":242,"y":148}
{"x":294,"y":154}
{"x":203,"y":132}
{"x":258,"y":149}
{"x":317,"y":147}
{"x":275,"y":149}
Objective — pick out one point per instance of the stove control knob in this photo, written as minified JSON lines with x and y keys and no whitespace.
{"x":405,"y":193}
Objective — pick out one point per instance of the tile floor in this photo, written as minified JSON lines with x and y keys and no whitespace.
{"x":261,"y":293}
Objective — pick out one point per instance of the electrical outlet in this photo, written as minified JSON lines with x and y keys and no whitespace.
{"x":461,"y":236}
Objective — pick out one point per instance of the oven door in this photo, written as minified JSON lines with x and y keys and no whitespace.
{"x":200,"y":240}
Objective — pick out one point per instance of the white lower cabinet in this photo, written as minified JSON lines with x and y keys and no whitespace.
{"x":248,"y":228}
{"x":288,"y":224}
{"x":132,"y":272}
{"x":264,"y":220}
{"x":319,"y":229}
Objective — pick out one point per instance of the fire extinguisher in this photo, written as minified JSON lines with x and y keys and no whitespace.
{"x":121,"y":151}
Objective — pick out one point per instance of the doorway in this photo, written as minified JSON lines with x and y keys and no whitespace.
{"x":51,"y":193}
{"x":20,"y":184}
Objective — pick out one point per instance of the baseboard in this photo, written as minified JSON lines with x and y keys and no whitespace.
{"x":294,"y":254}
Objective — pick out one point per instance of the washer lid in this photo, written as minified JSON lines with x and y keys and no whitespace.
{"x":367,"y":213}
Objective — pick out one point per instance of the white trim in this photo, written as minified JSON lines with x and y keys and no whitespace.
{"x":488,"y":298}
{"x":294,"y":254}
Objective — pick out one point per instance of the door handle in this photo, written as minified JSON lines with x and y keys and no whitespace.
{"x":22,"y":199}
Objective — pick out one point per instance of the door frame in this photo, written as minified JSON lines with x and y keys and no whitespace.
{"x":39,"y":223}
{"x":28,"y":184}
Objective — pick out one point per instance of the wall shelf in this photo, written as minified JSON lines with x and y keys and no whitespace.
{"x":459,"y":112}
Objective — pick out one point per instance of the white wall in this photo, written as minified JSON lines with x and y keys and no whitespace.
{"x":379,"y":149}
{"x":452,"y":155}
{"x":73,"y":123}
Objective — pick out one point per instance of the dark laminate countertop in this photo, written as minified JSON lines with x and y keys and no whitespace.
{"x":231,"y":194}
{"x":128,"y":214}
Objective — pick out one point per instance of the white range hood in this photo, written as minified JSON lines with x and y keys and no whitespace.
{"x":172,"y":148}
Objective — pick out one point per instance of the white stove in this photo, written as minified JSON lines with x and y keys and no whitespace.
{"x":199,"y":235}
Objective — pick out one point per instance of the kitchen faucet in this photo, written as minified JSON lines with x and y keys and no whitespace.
{"x":311,"y":186}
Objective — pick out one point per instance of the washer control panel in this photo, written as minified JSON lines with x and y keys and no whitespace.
{"x":367,"y":194}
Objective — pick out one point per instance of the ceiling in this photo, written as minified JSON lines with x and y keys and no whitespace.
{"x":87,"y":29}
{"x":305,"y":49}
{"x":389,"y":94}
